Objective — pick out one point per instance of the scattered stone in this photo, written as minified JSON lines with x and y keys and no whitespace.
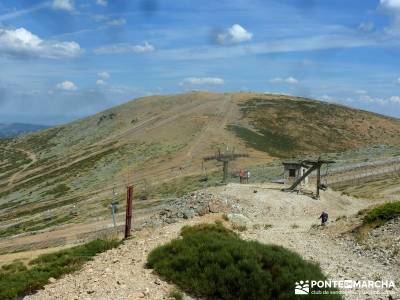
{"x":52,"y":280}
{"x":238,"y":219}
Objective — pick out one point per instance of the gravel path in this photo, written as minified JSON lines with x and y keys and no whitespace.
{"x":121,"y":274}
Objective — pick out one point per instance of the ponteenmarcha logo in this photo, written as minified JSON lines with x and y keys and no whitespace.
{"x":302,"y":288}
{"x":317,"y":287}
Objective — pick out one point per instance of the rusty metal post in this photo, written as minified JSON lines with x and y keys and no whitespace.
{"x":318,"y":181}
{"x":128,"y":219}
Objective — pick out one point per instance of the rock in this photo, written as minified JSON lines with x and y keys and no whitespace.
{"x":238,"y":219}
{"x":188,"y":214}
{"x":52,"y":280}
{"x":147,"y":292}
{"x":157,"y":281}
{"x":216,"y":206}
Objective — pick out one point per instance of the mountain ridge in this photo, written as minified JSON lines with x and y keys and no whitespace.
{"x":158,"y":144}
{"x":9,"y":130}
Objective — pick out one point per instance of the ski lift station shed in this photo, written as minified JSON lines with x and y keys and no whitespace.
{"x":293,"y":171}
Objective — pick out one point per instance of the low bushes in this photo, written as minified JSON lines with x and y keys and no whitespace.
{"x":212,"y":262}
{"x":383,"y":213}
{"x":17,"y":280}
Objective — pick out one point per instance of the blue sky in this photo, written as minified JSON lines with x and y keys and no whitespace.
{"x":62,"y":59}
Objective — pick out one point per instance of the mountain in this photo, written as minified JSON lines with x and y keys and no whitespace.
{"x":16,"y":129}
{"x":158,"y":143}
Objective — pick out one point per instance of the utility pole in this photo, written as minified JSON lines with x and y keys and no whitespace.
{"x":128,"y":218}
{"x":318,"y":181}
{"x":225,"y":158}
{"x":113,"y":207}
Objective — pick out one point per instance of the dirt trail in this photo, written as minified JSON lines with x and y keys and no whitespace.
{"x":32,"y":156}
{"x":121,"y":273}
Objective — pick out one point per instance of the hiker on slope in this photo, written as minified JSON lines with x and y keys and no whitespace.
{"x":324,"y":218}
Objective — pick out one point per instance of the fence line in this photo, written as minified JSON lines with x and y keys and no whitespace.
{"x":361,"y":173}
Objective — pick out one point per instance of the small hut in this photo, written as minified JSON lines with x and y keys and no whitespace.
{"x":294,"y":171}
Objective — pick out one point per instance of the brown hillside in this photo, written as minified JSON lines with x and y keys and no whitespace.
{"x":159,"y":139}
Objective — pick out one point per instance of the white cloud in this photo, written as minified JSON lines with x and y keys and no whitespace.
{"x":361,"y":92}
{"x":18,"y":13}
{"x":101,"y":82}
{"x":202,"y":81}
{"x":234,"y":35}
{"x":66,"y":86}
{"x":395,"y":99}
{"x":67,"y":5}
{"x":326,"y":97}
{"x":104,"y":75}
{"x":101,"y":2}
{"x":117,"y":22}
{"x":22,"y":43}
{"x":392,"y":8}
{"x":125,"y":48}
{"x":366,"y":26}
{"x":390,"y":5}
{"x":318,"y":42}
{"x":276,"y":80}
{"x":369,"y":99}
{"x":398,"y":80}
{"x":290,"y":80}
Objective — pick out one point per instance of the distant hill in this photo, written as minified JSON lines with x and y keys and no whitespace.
{"x":158,"y":143}
{"x":16,"y":129}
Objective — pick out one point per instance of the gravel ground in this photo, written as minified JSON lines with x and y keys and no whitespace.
{"x":271,"y":216}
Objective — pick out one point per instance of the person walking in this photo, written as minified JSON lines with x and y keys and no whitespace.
{"x":324,"y":218}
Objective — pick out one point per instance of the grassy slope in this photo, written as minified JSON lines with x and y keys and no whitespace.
{"x":18,"y":280}
{"x":294,"y":126}
{"x":163,"y":139}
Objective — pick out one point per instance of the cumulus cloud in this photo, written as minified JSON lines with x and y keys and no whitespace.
{"x":125,"y":48}
{"x":101,"y":82}
{"x":196,"y":81}
{"x":117,"y":22}
{"x":101,"y":2}
{"x":22,"y":43}
{"x":289,"y":80}
{"x":390,"y":5}
{"x":360,"y":92}
{"x":67,"y":5}
{"x":234,"y":35}
{"x":392,"y":8}
{"x":326,"y":97}
{"x":104,"y":75}
{"x":395,"y":99}
{"x":66,"y":86}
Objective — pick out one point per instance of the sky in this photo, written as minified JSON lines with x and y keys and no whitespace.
{"x":61,"y":60}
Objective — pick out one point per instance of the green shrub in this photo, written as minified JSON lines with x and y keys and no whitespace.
{"x":176,"y":294}
{"x":267,"y":226}
{"x":383,"y":213}
{"x":16,"y":280}
{"x":58,"y":191}
{"x":212,"y":262}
